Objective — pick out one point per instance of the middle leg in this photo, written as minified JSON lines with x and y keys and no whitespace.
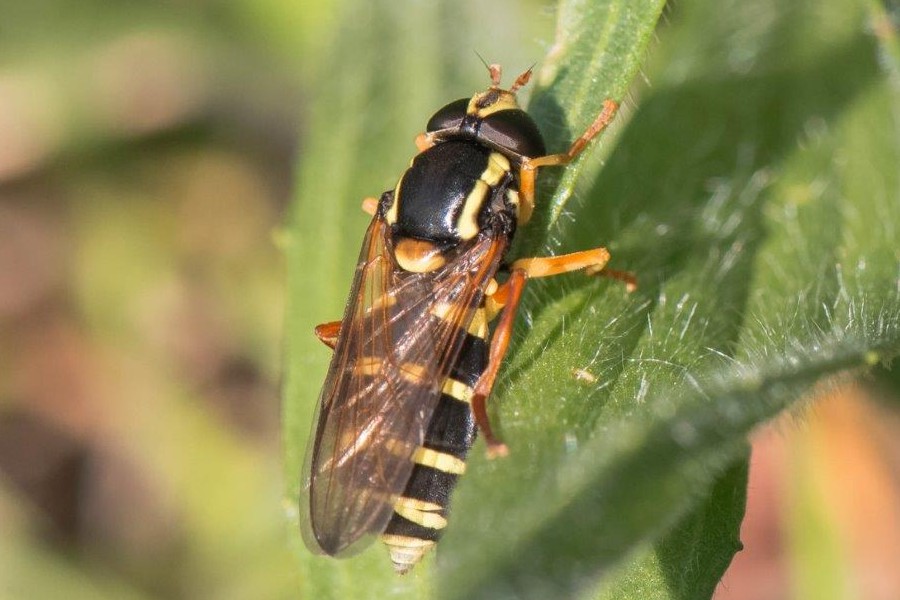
{"x":504,"y":299}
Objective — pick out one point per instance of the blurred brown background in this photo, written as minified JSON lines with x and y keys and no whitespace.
{"x":823,"y":503}
{"x":146,"y":157}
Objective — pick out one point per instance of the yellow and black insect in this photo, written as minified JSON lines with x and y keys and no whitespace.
{"x":414,"y":359}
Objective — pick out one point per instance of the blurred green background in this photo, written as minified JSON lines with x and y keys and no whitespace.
{"x":147,"y":157}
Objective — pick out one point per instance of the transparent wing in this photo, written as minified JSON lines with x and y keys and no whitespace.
{"x":384,"y":382}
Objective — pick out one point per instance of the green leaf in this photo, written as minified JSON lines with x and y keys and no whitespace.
{"x":753,"y":190}
{"x":689,"y":560}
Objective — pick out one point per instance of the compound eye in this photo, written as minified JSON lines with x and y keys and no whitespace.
{"x":448,"y":117}
{"x":513,"y":130}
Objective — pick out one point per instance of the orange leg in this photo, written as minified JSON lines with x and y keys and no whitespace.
{"x":329,"y":333}
{"x":626,"y":277}
{"x":499,"y":343}
{"x":592,"y":261}
{"x":528,"y":170}
{"x":505,"y":300}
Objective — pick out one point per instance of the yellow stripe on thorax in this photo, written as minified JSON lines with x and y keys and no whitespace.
{"x":393,"y":212}
{"x":497,"y":168}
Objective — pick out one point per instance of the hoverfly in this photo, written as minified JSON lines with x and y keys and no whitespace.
{"x":414,"y":358}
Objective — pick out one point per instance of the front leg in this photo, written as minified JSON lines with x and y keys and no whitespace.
{"x":528,"y":169}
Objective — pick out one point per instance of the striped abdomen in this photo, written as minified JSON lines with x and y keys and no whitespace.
{"x":420,"y":513}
